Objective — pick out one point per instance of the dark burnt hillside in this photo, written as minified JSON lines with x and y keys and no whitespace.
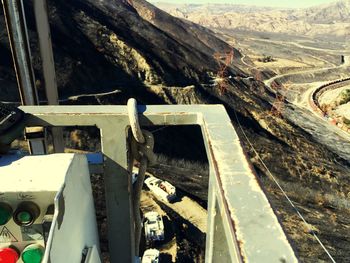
{"x":101,"y":46}
{"x":109,"y":45}
{"x":194,"y":35}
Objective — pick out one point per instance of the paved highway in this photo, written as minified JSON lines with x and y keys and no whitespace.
{"x":320,"y":128}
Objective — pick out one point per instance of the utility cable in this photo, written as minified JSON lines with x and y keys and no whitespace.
{"x":159,"y":129}
{"x":284,"y":192}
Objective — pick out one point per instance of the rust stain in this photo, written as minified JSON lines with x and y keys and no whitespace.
{"x":238,"y":244}
{"x":170,"y":113}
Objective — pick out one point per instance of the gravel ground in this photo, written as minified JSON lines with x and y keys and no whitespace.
{"x":184,"y":242}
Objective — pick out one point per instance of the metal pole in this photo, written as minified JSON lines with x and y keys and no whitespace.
{"x":20,"y":48}
{"x":18,"y":36}
{"x":17,"y":32}
{"x":48,"y":65}
{"x":44,"y":35}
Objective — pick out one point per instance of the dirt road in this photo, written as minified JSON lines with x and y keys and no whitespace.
{"x":185,"y":226}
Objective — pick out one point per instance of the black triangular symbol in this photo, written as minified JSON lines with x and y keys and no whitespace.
{"x":6,"y":236}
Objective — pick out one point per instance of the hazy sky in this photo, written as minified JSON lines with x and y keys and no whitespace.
{"x":274,"y":3}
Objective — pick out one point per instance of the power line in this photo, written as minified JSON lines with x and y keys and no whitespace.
{"x":159,"y":129}
{"x":283,"y":192}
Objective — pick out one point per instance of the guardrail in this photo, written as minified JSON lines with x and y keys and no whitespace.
{"x":242,"y":226}
{"x":317,"y":93}
{"x":326,"y":87}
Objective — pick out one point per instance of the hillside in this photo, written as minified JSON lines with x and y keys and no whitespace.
{"x":325,"y":21}
{"x":337,"y":12}
{"x":98,"y":46}
{"x":107,"y":45}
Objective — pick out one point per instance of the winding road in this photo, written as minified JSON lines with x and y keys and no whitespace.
{"x":330,"y":51}
{"x":269,"y":82}
{"x":315,"y":124}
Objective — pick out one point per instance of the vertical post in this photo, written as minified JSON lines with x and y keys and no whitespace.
{"x":18,"y":37}
{"x":45,"y":44}
{"x":44,"y":35}
{"x":20,"y":49}
{"x":118,"y":191}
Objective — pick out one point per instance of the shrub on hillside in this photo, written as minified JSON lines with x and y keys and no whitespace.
{"x":346,"y":121}
{"x":344,"y":97}
{"x":266,"y":59}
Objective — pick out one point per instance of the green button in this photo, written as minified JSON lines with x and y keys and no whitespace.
{"x":5,"y":213}
{"x":24,"y":217}
{"x":32,"y":254}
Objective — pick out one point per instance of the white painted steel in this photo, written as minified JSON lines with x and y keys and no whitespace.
{"x":74,"y":225}
{"x":248,"y":228}
{"x":62,"y":180}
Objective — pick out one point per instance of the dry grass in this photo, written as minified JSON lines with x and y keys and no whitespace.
{"x":301,"y":194}
{"x":182,"y":163}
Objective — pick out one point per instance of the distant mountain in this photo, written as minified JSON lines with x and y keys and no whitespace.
{"x":337,"y":12}
{"x":319,"y":21}
{"x":213,"y":8}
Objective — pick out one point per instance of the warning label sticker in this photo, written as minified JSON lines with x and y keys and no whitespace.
{"x":25,"y":196}
{"x":33,"y":232}
{"x":6,"y":236}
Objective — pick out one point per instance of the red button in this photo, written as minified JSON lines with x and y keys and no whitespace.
{"x":8,"y":255}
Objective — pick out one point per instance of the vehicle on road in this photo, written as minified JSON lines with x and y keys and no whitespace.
{"x":154,"y":227}
{"x":161,"y":188}
{"x":151,"y":256}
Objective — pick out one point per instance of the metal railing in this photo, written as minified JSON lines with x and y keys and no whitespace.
{"x":242,"y":227}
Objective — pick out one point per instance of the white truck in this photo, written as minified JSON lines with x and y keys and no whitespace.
{"x":151,"y":256}
{"x":161,"y":188}
{"x":154,"y":227}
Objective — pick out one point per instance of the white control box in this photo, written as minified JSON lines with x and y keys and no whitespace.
{"x":46,"y":204}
